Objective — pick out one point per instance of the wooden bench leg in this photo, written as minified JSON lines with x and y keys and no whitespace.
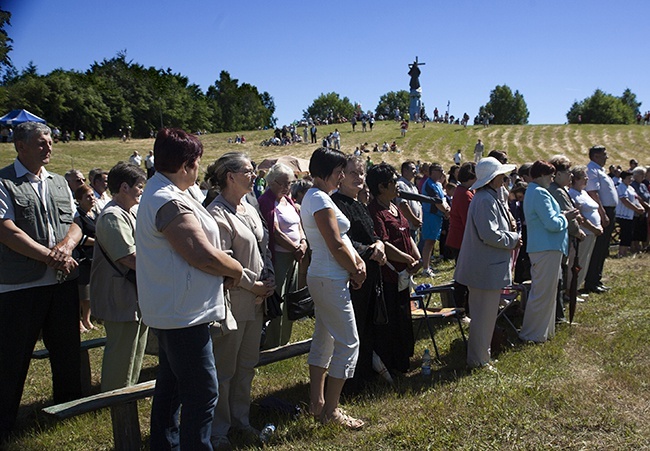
{"x":126,"y":426}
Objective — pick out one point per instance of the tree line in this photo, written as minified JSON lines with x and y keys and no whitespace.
{"x":116,"y":95}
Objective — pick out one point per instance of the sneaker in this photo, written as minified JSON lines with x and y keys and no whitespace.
{"x":428,"y":272}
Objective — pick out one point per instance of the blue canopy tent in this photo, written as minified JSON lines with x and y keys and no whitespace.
{"x":18,"y":117}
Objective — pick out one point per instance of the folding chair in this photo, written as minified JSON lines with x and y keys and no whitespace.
{"x":509,"y":295}
{"x":426,"y":313}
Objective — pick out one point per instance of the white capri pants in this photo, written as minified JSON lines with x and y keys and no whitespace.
{"x":335,"y":343}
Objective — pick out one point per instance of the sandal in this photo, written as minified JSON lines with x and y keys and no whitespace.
{"x":343,"y":419}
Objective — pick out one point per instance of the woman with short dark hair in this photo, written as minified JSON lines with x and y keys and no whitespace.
{"x":113,"y":299}
{"x":395,"y":341}
{"x":182,"y":273}
{"x":547,"y":243}
{"x":335,"y":268}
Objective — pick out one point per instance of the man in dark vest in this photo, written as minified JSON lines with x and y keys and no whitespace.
{"x":37,"y":236}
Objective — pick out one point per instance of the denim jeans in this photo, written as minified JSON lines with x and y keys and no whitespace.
{"x":187,"y":380}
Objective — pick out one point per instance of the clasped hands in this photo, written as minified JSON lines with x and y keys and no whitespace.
{"x":60,"y":258}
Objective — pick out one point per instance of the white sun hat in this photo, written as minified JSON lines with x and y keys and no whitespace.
{"x":487,"y":169}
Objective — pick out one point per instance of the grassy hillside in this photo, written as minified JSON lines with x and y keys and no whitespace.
{"x":435,"y":142}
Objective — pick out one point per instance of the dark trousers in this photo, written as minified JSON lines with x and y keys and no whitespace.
{"x":394,"y":342}
{"x":187,"y":380}
{"x":54,"y":310}
{"x":601,"y":251}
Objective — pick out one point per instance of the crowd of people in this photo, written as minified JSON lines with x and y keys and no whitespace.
{"x":196,"y":268}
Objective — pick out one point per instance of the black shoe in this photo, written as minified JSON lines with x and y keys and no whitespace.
{"x":597,"y":290}
{"x":604,"y":287}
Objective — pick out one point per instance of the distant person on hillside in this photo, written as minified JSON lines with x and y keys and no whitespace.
{"x":404,"y":126}
{"x":336,"y":138}
{"x":313,"y":130}
{"x":135,"y":158}
{"x":479,"y":148}
{"x":458,"y":157}
{"x":149,"y":164}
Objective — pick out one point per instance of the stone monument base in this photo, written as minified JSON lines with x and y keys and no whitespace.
{"x":415,"y":105}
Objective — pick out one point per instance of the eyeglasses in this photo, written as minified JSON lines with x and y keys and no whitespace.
{"x":248,"y":172}
{"x":285,"y":184}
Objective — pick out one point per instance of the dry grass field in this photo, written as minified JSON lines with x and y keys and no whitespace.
{"x":435,"y":142}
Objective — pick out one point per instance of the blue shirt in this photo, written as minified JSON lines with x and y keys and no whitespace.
{"x":547,"y":226}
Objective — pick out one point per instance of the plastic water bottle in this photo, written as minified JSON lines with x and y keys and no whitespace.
{"x":426,"y":363}
{"x":267,"y":432}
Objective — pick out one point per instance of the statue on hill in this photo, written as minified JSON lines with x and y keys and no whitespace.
{"x":415,"y":104}
{"x":414,"y":72}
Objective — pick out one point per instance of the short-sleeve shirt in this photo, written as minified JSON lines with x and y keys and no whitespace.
{"x":288,"y":223}
{"x":115,"y":231}
{"x":416,"y":207}
{"x":626,"y":192}
{"x":394,"y":230}
{"x":588,"y":208}
{"x":601,"y":182}
{"x":323,"y":263}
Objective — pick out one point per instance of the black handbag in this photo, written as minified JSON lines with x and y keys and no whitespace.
{"x":299,"y":303}
{"x":273,"y":306}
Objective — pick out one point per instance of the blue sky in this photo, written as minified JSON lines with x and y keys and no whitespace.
{"x":553,"y":52}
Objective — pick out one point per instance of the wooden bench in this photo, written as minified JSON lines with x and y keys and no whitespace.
{"x":123,"y":401}
{"x":84,"y":346}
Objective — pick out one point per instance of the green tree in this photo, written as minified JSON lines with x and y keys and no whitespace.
{"x":330,"y":103}
{"x":602,"y":108}
{"x":392,"y":100}
{"x":629,"y":99}
{"x":6,"y":65}
{"x":238,"y":107}
{"x":507,"y":108}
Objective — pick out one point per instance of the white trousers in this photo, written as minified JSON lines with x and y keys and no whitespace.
{"x":539,"y":317}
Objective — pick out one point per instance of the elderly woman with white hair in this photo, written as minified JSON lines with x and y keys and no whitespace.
{"x":484,"y":258}
{"x":287,"y":243}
